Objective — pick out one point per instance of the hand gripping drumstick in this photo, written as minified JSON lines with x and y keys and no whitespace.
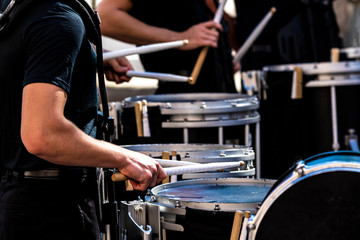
{"x":116,"y":177}
{"x":250,"y":40}
{"x":144,"y":49}
{"x":200,"y":61}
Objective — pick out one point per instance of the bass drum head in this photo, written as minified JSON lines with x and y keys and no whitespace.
{"x":322,"y":204}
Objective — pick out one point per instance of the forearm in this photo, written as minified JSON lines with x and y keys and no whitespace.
{"x":120,"y":25}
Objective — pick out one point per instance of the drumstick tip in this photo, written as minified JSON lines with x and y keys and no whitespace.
{"x":185,"y":42}
{"x":273,"y":10}
{"x":191,"y":80}
{"x":242,"y":163}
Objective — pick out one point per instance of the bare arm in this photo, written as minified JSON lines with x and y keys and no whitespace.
{"x":118,"y":24}
{"x":47,"y":134}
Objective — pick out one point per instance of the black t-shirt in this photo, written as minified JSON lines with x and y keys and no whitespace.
{"x":217,"y":72}
{"x":46,"y":43}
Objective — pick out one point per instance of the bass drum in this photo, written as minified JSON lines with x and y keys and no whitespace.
{"x":317,"y":198}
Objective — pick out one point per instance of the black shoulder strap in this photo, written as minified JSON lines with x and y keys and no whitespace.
{"x":92,"y":24}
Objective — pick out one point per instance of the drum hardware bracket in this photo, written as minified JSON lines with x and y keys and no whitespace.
{"x":299,"y":169}
{"x":217,"y":207}
{"x":351,"y":140}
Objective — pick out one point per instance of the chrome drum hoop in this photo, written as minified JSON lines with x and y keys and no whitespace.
{"x":318,"y":68}
{"x":198,"y":103}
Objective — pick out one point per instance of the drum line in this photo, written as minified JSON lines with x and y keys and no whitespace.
{"x":185,"y":167}
{"x":181,"y":111}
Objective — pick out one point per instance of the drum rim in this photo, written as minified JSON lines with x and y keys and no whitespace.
{"x":208,"y":205}
{"x":293,"y":177}
{"x":317,"y":68}
{"x":163,"y":98}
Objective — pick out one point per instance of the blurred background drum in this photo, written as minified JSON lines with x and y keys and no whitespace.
{"x":192,"y":209}
{"x":316,"y":199}
{"x":307,"y":109}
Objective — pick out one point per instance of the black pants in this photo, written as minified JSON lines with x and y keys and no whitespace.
{"x":46,"y":210}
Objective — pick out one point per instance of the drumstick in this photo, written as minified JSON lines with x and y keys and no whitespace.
{"x":159,"y":76}
{"x":255,"y":33}
{"x":138,"y":118}
{"x":244,"y":226}
{"x":174,"y":163}
{"x":335,"y":55}
{"x":145,"y":119}
{"x":235,"y":232}
{"x":144,"y":49}
{"x":165,"y":155}
{"x":297,"y":81}
{"x":187,"y":169}
{"x":200,"y":61}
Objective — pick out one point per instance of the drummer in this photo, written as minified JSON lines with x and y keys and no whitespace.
{"x":145,"y":22}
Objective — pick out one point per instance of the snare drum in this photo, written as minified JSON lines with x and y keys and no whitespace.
{"x":196,"y":209}
{"x":204,"y":153}
{"x":186,"y":112}
{"x":317,"y":198}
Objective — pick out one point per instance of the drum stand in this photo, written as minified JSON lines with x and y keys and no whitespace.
{"x":108,"y":206}
{"x":332,"y":84}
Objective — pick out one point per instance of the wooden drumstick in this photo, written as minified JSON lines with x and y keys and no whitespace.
{"x":200,"y":61}
{"x":335,"y":55}
{"x":244,"y":226}
{"x":235,"y":232}
{"x":297,"y":84}
{"x":188,"y":169}
{"x":138,"y":118}
{"x":145,"y":119}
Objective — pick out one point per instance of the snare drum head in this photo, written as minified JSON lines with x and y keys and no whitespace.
{"x":322,"y":204}
{"x":225,"y":193}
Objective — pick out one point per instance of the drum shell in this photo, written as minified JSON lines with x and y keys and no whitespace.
{"x":315,"y":199}
{"x":194,"y":212}
{"x":201,"y":113}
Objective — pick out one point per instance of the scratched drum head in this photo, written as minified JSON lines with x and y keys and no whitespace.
{"x":318,"y":198}
{"x":223,"y":194}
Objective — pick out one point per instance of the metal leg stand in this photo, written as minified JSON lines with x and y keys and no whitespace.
{"x":186,"y":135}
{"x":257,"y":154}
{"x":221,"y":135}
{"x":335,"y":145}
